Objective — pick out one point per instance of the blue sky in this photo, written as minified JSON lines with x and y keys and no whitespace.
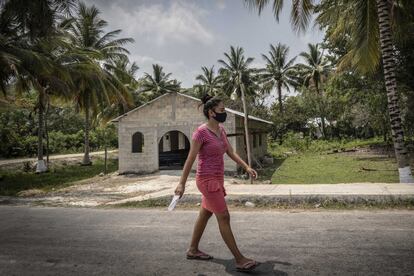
{"x":184,"y":35}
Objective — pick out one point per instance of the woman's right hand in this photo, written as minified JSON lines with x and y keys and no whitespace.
{"x":180,"y":189}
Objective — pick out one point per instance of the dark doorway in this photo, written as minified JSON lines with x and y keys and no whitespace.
{"x":173,"y":149}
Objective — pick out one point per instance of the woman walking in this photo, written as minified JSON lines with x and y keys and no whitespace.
{"x":210,"y":142}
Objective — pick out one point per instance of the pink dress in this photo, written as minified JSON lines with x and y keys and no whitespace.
{"x":210,"y":168}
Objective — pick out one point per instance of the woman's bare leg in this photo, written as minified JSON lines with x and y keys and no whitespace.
{"x":223,"y":220}
{"x":203,"y":217}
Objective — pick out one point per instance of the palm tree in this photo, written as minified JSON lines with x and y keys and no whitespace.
{"x":10,"y":59}
{"x":300,"y":15}
{"x":387,"y":51}
{"x":158,"y":83}
{"x":23,"y":24}
{"x":238,"y":81}
{"x":209,"y":81}
{"x":125,"y":72}
{"x":278,"y":72}
{"x":33,"y":19}
{"x":95,"y":84}
{"x":314,"y":73}
{"x":29,"y":56}
{"x":48,"y":77}
{"x":366,"y":23}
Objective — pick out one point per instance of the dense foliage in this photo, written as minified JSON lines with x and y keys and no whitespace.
{"x":61,"y":85}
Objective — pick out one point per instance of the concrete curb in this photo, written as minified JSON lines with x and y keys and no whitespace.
{"x":298,"y":200}
{"x":317,"y":193}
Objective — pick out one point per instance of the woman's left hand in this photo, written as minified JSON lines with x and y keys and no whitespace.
{"x":252,"y":172}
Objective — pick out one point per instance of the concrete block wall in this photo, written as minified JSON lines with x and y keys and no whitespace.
{"x":174,"y":112}
{"x":140,"y":162}
{"x":169,"y":112}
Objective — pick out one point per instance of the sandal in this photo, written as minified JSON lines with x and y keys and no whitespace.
{"x":199,"y":256}
{"x":249,"y":266}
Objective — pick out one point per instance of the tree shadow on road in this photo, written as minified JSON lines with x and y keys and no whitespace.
{"x":265,"y":268}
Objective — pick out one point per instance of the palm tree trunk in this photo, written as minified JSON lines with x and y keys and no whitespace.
{"x":40,"y":166}
{"x":106,"y":152}
{"x":321,"y":109}
{"x":387,"y":50}
{"x":246,"y":130}
{"x":323,"y":116}
{"x":47,"y":131}
{"x":279,"y":94}
{"x":86,"y":159}
{"x":385,"y":135}
{"x":323,"y":126}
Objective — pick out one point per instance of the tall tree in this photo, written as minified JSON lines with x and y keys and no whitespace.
{"x":300,"y":13}
{"x":32,"y":25}
{"x":209,"y":80}
{"x":125,"y":72}
{"x":96,"y":85}
{"x":279,"y":71}
{"x":158,"y":83}
{"x":314,"y":73}
{"x":238,"y":81}
{"x":11,"y":55}
{"x":387,"y":51}
{"x":369,"y":24}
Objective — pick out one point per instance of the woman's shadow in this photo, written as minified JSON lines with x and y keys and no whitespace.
{"x":265,"y":268}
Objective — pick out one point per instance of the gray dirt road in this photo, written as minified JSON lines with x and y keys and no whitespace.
{"x":69,"y":241}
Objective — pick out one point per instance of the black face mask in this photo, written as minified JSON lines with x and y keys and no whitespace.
{"x":220,"y":117}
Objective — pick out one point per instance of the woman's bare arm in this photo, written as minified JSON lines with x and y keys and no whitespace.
{"x":194,"y":149}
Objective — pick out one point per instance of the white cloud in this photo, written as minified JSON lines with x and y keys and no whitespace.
{"x":221,"y":4}
{"x":180,"y":70}
{"x":183,"y":35}
{"x":161,"y":24}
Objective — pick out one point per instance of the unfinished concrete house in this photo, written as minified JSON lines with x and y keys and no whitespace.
{"x":157,"y":135}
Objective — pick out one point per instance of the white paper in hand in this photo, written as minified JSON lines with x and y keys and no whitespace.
{"x":173,"y":202}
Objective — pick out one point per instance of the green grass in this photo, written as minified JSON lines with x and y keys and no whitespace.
{"x":13,"y":182}
{"x":294,"y":144}
{"x":267,"y":171}
{"x":149,"y":203}
{"x":312,"y":168}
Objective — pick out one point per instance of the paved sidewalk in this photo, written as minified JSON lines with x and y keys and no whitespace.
{"x":324,"y":190}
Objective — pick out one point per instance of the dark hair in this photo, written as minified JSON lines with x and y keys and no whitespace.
{"x":209,"y":102}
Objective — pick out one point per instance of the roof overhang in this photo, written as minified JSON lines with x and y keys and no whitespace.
{"x":238,"y":113}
